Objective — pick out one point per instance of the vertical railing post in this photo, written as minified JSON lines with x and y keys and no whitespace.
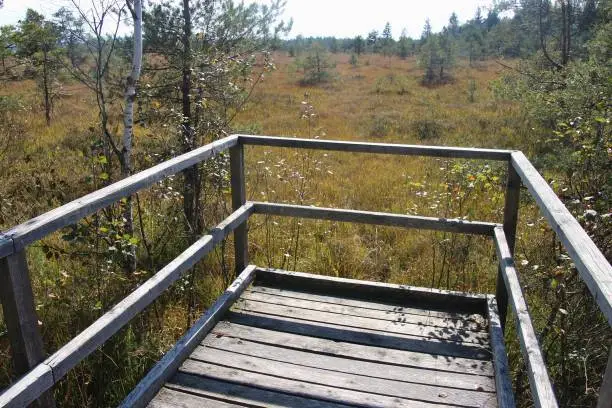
{"x":511,"y":207}
{"x":241,"y":246}
{"x":605,"y":391}
{"x":20,"y":317}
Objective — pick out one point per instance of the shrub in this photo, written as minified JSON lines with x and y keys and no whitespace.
{"x":316,"y":66}
{"x":472,"y":91}
{"x":427,"y":129}
{"x":383,"y":124}
{"x":392,"y":84}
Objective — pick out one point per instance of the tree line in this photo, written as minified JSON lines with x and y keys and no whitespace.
{"x":506,"y":30}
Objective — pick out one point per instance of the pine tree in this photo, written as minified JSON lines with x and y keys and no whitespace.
{"x":358,"y":45}
{"x":7,"y":43}
{"x":387,"y":40}
{"x":209,"y":51}
{"x":372,"y":40}
{"x":316,"y":66}
{"x":453,"y":25}
{"x":426,"y":30}
{"x":404,"y":45}
{"x":387,"y":36}
{"x":429,"y":59}
{"x":37,"y":41}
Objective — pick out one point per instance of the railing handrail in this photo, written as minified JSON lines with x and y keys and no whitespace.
{"x":378,"y":148}
{"x":20,"y":236}
{"x":593,"y":267}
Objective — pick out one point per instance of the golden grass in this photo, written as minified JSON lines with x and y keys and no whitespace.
{"x":355,"y":107}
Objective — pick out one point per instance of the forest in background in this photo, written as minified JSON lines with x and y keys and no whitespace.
{"x":538,"y":80}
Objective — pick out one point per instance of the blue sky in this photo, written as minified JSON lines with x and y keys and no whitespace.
{"x":340,"y":18}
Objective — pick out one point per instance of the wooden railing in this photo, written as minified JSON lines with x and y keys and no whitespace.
{"x":40,"y":374}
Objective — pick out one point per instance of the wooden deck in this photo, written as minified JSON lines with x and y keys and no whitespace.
{"x":303,"y":340}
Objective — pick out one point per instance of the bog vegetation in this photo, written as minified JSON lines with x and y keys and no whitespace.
{"x":538,"y":79}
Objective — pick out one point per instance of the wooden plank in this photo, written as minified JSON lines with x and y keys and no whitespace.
{"x":6,"y":245}
{"x":19,"y":313}
{"x":27,"y":349}
{"x":72,"y":212}
{"x":476,"y":319}
{"x":379,"y":148}
{"x":298,"y":388}
{"x":605,"y":391}
{"x":541,"y":387}
{"x":511,"y":208}
{"x":112,"y":321}
{"x":238,"y":184}
{"x":393,"y":327}
{"x":160,"y":373}
{"x":169,"y":398}
{"x":505,"y":395}
{"x":594,"y":268}
{"x":340,"y":348}
{"x":401,"y":295}
{"x":376,"y":218}
{"x":349,"y":381}
{"x":511,"y":205}
{"x":361,"y":336}
{"x":391,"y":314}
{"x":244,"y":395}
{"x":28,"y":388}
{"x":311,"y":358}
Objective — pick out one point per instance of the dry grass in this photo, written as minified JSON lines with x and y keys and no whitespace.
{"x":380,"y":100}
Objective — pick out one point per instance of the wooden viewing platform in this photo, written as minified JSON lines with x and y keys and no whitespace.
{"x":277,"y":338}
{"x":300,"y":340}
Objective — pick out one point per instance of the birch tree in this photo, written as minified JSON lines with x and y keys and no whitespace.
{"x":101,"y":75}
{"x":128,"y":114}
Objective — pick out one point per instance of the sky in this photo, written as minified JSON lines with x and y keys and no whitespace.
{"x":339,"y":18}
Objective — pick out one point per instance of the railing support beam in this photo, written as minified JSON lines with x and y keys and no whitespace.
{"x":511,"y":207}
{"x":20,"y":316}
{"x":241,"y":244}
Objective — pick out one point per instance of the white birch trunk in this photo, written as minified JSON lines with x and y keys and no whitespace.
{"x":128,"y":115}
{"x":130,"y":90}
